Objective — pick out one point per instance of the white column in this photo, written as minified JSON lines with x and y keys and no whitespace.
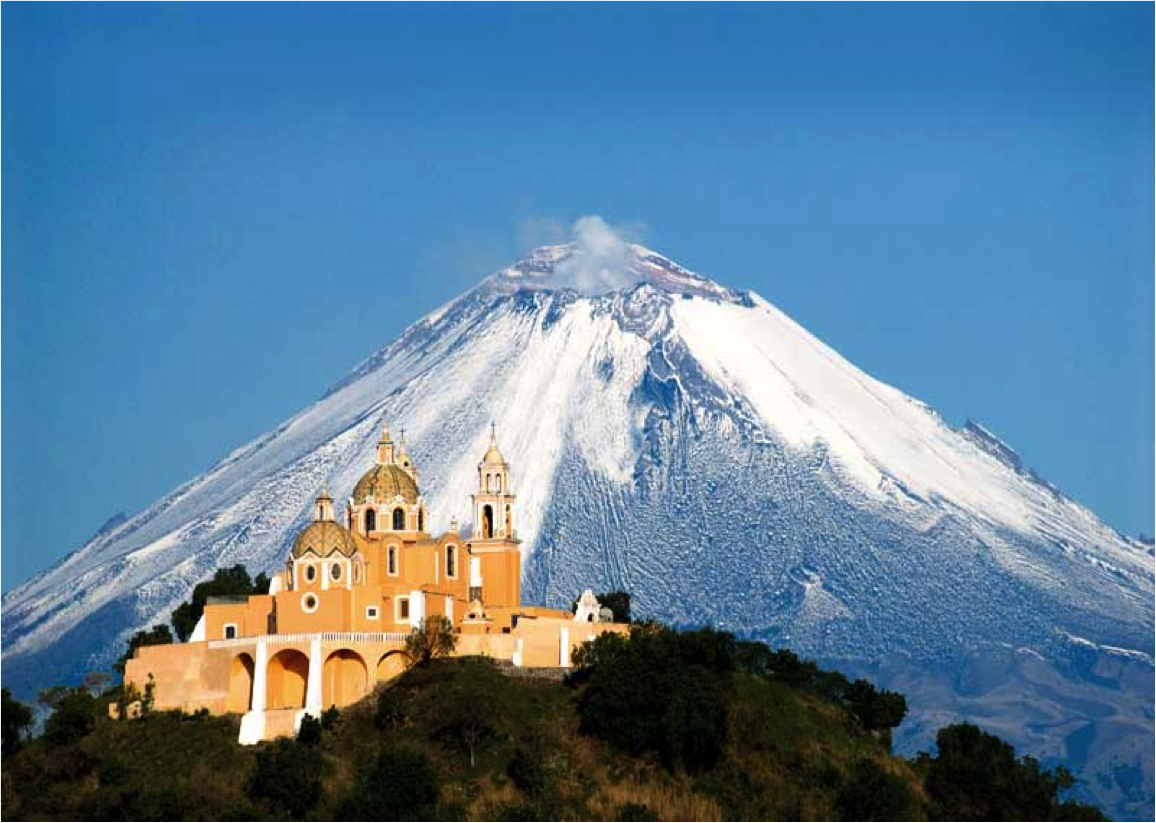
{"x":564,"y":647}
{"x":450,"y":607}
{"x":476,"y":572}
{"x":416,"y":608}
{"x":517,"y":661}
{"x":253,"y":721}
{"x":260,"y":663}
{"x":313,"y":691}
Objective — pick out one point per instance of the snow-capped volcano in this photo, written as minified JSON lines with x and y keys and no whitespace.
{"x":695,"y":446}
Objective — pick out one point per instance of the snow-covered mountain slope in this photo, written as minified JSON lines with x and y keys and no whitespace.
{"x":697,"y":447}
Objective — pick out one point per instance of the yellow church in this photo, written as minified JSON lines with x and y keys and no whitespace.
{"x":336,"y":618}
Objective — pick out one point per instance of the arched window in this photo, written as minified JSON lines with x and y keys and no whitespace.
{"x":335,"y":571}
{"x":421,"y":520}
{"x":398,"y":520}
{"x":498,"y":483}
{"x":487,"y":521}
{"x":310,"y":572}
{"x":370,"y":521}
{"x":451,"y":561}
{"x":391,"y":560}
{"x":489,"y":482}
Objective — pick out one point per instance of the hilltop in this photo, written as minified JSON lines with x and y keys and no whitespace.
{"x":671,"y":726}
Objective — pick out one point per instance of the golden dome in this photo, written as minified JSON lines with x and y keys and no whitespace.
{"x":324,"y":537}
{"x":493,"y":456}
{"x":385,"y":482}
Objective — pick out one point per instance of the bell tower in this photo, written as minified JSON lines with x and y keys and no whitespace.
{"x":493,"y":502}
{"x":496,"y":560}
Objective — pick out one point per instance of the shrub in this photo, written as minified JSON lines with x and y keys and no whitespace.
{"x":73,"y":716}
{"x":525,"y":769}
{"x":310,"y":732}
{"x":433,"y":638}
{"x":976,"y":776}
{"x":390,"y":710}
{"x":636,"y":812}
{"x":287,"y":776}
{"x":872,"y":793}
{"x":401,"y":785}
{"x":658,"y":690}
{"x":224,"y":582}
{"x":16,"y":719}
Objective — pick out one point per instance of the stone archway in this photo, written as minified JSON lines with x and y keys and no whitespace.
{"x":240,"y":684}
{"x":390,"y":666}
{"x":344,"y":678}
{"x":287,"y":678}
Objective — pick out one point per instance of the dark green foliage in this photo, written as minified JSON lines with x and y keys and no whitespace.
{"x":525,"y":769}
{"x":158,"y":635}
{"x":467,"y":718}
{"x":287,"y":776}
{"x":309,"y":734}
{"x":73,"y":717}
{"x":233,"y":581}
{"x":976,"y":776}
{"x":329,"y":718}
{"x":390,"y":713}
{"x":16,"y":720}
{"x":619,"y":603}
{"x":636,"y":812}
{"x":872,"y":793}
{"x":759,"y":749}
{"x":878,"y":711}
{"x":402,"y":784}
{"x":660,"y":691}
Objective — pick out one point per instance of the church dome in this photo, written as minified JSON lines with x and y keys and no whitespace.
{"x":385,"y":482}
{"x":324,"y":537}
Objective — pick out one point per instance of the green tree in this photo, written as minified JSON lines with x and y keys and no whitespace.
{"x":390,"y":712}
{"x":310,"y":732}
{"x":433,"y":638}
{"x":73,"y":716}
{"x":158,"y":635}
{"x":877,"y":710}
{"x":401,"y":784}
{"x":466,"y":720}
{"x":870,"y":792}
{"x":233,"y":581}
{"x":287,"y":776}
{"x":658,"y":690}
{"x":16,"y":719}
{"x":618,"y":602}
{"x":976,"y":776}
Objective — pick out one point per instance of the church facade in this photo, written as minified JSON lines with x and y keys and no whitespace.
{"x":335,"y":620}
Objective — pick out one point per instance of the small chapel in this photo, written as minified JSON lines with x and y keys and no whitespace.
{"x":334,"y":622}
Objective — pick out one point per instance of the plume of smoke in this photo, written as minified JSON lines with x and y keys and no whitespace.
{"x":600,"y":261}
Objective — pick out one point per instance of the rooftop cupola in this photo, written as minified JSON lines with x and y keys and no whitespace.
{"x":385,"y":455}
{"x":324,"y":508}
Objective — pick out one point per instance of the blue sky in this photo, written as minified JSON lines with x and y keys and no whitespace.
{"x":211,"y":213}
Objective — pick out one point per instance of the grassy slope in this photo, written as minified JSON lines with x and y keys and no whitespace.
{"x":787,"y":755}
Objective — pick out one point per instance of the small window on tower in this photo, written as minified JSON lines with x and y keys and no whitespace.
{"x":398,"y":520}
{"x":403,"y":608}
{"x":335,"y":571}
{"x":391,"y":560}
{"x":451,"y":561}
{"x":310,"y":572}
{"x":230,"y":631}
{"x":371,"y":612}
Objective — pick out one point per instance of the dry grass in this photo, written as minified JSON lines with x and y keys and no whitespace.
{"x":668,"y":801}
